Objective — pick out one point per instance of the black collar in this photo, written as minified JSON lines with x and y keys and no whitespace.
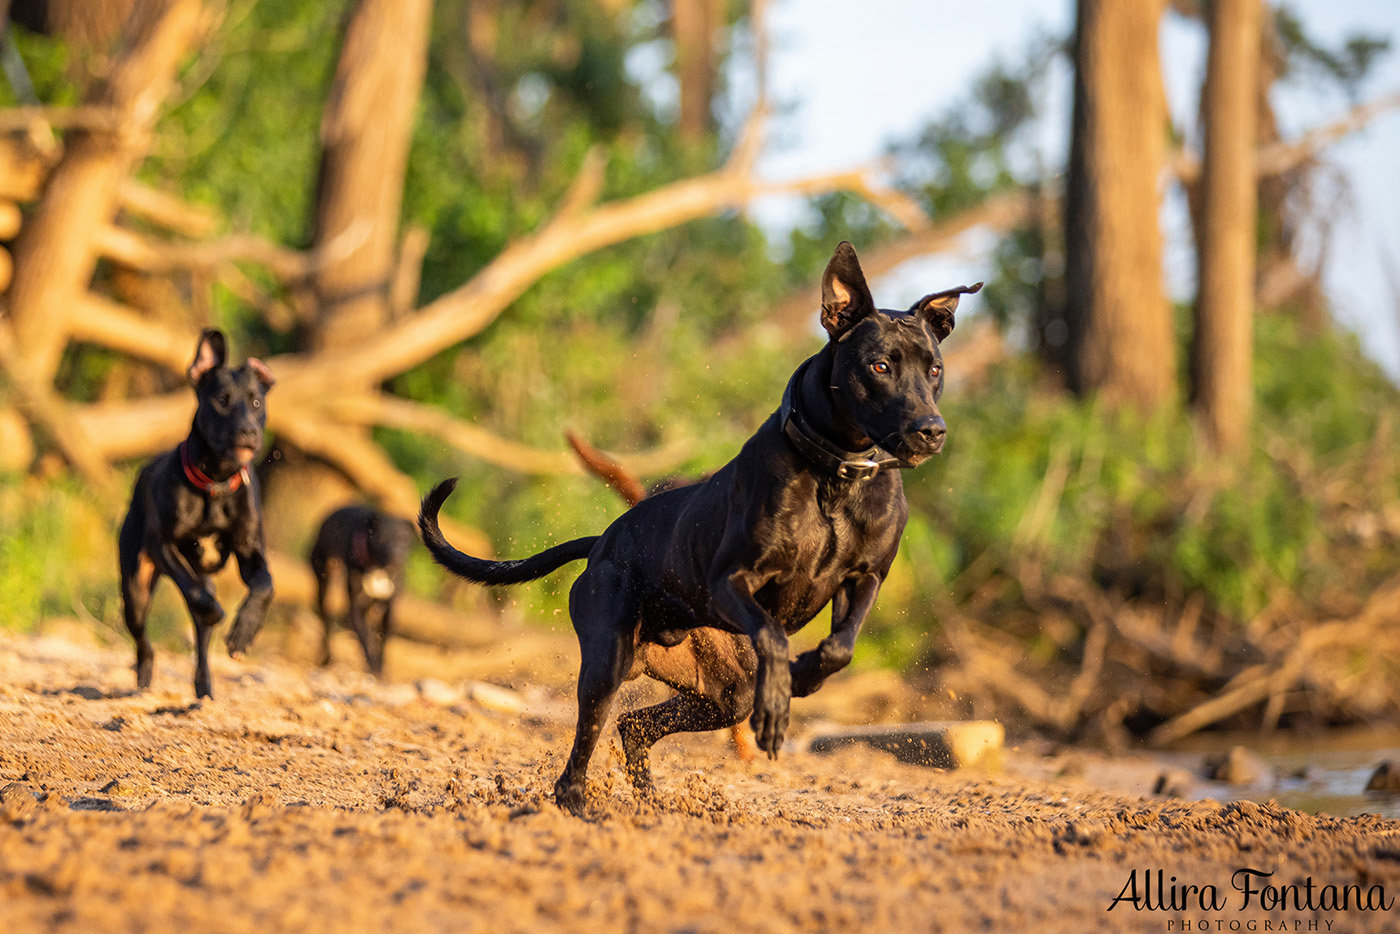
{"x":845,"y":465}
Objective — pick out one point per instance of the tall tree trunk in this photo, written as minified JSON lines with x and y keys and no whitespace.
{"x":365,"y":136}
{"x":1120,"y":324}
{"x":694,"y":24}
{"x":1222,"y":345}
{"x":55,"y":255}
{"x":366,"y":132}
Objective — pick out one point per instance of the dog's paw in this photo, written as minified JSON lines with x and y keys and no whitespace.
{"x":241,"y":635}
{"x":770,"y":713}
{"x":571,"y":797}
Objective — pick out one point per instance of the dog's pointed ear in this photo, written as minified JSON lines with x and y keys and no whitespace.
{"x":210,"y":355}
{"x":937,"y":309}
{"x":845,"y":296}
{"x":263,"y":372}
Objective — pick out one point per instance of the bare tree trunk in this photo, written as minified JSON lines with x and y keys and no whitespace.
{"x":366,"y":132}
{"x":365,"y":137}
{"x":87,"y":24}
{"x":1222,"y":345}
{"x":694,"y":24}
{"x":1120,"y":324}
{"x":56,"y":255}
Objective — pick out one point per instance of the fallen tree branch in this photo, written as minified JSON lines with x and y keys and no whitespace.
{"x":42,"y":407}
{"x":140,"y":427}
{"x":1001,"y":213}
{"x":1252,"y":685}
{"x":1284,"y":156}
{"x":94,"y":118}
{"x":99,"y":320}
{"x":128,"y":429}
{"x":391,"y":412}
{"x":464,"y":312}
{"x":139,"y":251}
{"x":167,"y":210}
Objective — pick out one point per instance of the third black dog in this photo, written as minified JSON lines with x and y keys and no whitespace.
{"x":196,"y":505}
{"x":810,"y":511}
{"x":370,"y":548}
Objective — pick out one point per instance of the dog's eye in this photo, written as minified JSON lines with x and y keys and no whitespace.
{"x":880,"y":366}
{"x":224,"y":401}
{"x":934,"y":371}
{"x":256,"y":403}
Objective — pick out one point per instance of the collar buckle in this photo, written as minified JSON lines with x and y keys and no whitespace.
{"x":859,"y":469}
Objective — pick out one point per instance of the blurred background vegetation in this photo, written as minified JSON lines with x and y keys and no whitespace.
{"x":1101,"y":552}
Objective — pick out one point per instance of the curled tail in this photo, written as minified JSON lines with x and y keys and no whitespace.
{"x":479,"y":570}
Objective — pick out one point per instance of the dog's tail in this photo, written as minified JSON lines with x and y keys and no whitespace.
{"x":479,"y":570}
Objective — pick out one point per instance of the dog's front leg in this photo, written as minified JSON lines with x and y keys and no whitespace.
{"x":848,"y":610}
{"x":252,"y":567}
{"x":357,"y":614}
{"x":200,"y":599}
{"x":203,"y":606}
{"x":773,"y":686}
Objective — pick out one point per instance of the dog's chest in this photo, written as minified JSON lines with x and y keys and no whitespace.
{"x":377,"y":584}
{"x":205,"y":532}
{"x":824,"y":546}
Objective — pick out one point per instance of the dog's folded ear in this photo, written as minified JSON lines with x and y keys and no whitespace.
{"x":937,"y":309}
{"x":263,"y":372}
{"x":845,"y":296}
{"x":208,"y":356}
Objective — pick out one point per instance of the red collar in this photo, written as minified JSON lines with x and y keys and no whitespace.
{"x":206,"y":484}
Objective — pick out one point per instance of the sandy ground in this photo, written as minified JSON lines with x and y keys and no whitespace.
{"x":323,"y":801}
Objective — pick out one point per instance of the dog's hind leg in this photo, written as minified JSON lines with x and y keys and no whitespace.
{"x":604,"y":616}
{"x":357,"y":615}
{"x":386,"y":626}
{"x":322,"y":570}
{"x":684,"y":713}
{"x":139,"y":577}
{"x":714,"y":673}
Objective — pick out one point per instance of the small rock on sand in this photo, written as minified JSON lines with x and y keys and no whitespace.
{"x":1386,"y":777}
{"x":1175,"y":783}
{"x":1239,"y":766}
{"x":17,"y":800}
{"x":439,"y":692}
{"x":494,"y":697}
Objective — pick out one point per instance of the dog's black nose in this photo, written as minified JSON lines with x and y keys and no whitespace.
{"x":932,"y":430}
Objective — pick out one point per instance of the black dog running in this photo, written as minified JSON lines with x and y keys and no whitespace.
{"x":197,"y":504}
{"x":810,"y":511}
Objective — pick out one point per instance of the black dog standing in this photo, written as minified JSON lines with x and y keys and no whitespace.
{"x":371,"y":548}
{"x":196,"y":505}
{"x":810,"y":511}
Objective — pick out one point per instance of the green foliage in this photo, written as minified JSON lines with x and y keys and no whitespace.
{"x":1133,"y":505}
{"x":58,"y":558}
{"x":242,"y":134}
{"x":1348,"y":66}
{"x":979,"y":146}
